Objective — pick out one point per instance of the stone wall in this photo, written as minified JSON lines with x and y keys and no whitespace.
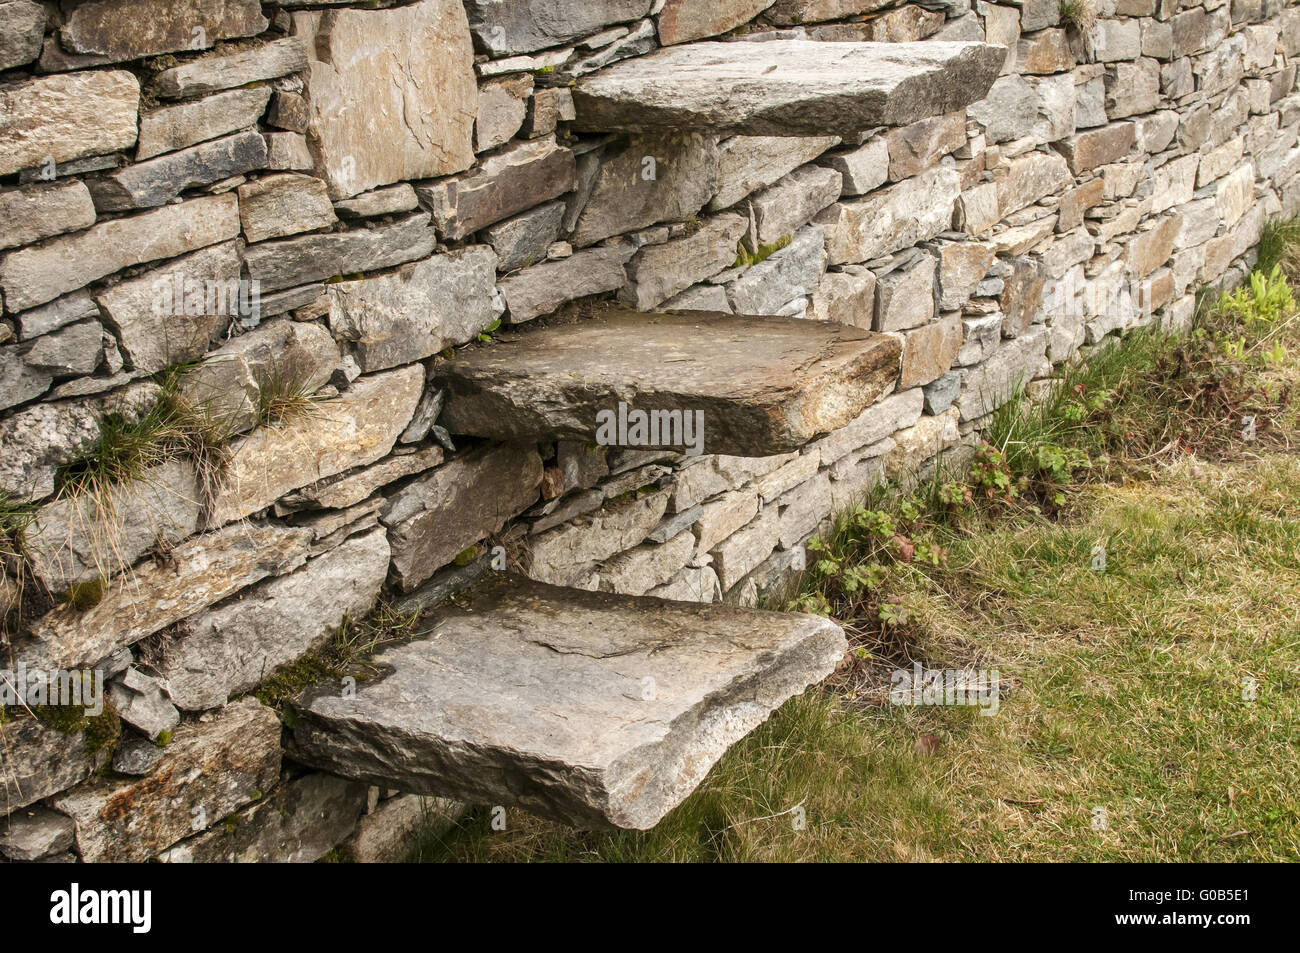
{"x":322,"y":199}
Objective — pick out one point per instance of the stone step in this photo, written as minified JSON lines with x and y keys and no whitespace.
{"x":786,"y":87}
{"x":756,"y":385}
{"x":590,"y":708}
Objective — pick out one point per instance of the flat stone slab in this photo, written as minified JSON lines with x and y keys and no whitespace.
{"x":591,"y":708}
{"x":786,"y":87}
{"x":763,"y":385}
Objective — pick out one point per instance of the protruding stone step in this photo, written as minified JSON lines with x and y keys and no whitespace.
{"x":786,"y":87}
{"x":591,"y":708}
{"x":761,"y":385}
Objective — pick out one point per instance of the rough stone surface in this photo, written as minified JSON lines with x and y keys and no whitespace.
{"x":39,"y":212}
{"x":905,"y":296}
{"x":153,"y":323}
{"x":523,"y":240}
{"x":864,"y":168}
{"x":281,"y":205}
{"x":185,"y":124}
{"x":203,"y":570}
{"x":502,"y":106}
{"x":1087,"y":150}
{"x":22,"y":24}
{"x":128,"y":29}
{"x":289,"y":262}
{"x":791,"y":87}
{"x":631,"y":192}
{"x":402,"y":77}
{"x":235,"y":646}
{"x":748,"y":163}
{"x":929,"y":351}
{"x":764,"y":385}
{"x":65,"y":117}
{"x":79,"y":539}
{"x":783,"y":279}
{"x":890,"y":219}
{"x":416,"y":311}
{"x":385,"y":835}
{"x":777,"y":211}
{"x":543,"y":288}
{"x":298,"y":823}
{"x":40,"y":761}
{"x":657,"y":272}
{"x":503,"y":27}
{"x":215,"y":71}
{"x":39,"y":438}
{"x":32,"y":835}
{"x":916,"y":147}
{"x":35,"y":275}
{"x":503,"y":184}
{"x":683,"y":20}
{"x":356,"y":428}
{"x":617,"y":752}
{"x":210,"y":771}
{"x":436,"y":517}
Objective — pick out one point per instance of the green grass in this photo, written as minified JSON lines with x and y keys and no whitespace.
{"x":1162,"y":689}
{"x":128,"y":447}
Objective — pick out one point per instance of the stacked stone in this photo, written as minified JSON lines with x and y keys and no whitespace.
{"x":397,"y":177}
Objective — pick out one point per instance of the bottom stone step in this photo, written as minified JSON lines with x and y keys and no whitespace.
{"x":591,"y":708}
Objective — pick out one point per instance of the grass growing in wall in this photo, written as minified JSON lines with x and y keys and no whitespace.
{"x":128,"y":448}
{"x":1079,"y":15}
{"x":1157,"y":692}
{"x":282,"y":397}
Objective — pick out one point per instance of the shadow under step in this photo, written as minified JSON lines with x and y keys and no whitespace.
{"x":786,"y":87}
{"x":590,"y":708}
{"x":760,"y":385}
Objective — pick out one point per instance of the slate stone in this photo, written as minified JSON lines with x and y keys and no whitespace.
{"x":626,"y":701}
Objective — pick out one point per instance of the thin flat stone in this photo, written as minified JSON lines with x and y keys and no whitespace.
{"x":786,"y":87}
{"x":591,"y":708}
{"x":765,"y":385}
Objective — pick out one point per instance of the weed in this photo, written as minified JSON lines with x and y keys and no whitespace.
{"x":747,"y":259}
{"x":1079,"y":15}
{"x":282,"y":397}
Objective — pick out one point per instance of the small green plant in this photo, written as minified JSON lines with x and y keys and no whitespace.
{"x":486,"y":335}
{"x":1267,"y":299}
{"x":990,"y":475}
{"x":83,"y":596}
{"x":747,"y":259}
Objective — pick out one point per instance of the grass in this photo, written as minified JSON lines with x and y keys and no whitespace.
{"x":1149,"y":708}
{"x":1079,"y":15}
{"x":282,"y":397}
{"x":128,"y":448}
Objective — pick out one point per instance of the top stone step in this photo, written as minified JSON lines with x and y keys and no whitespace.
{"x":745,"y":386}
{"x":786,"y":87}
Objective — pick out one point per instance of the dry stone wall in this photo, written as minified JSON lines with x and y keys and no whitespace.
{"x":285,"y":215}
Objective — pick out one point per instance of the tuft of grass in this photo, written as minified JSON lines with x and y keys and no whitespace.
{"x":282,"y":397}
{"x":15,"y":565}
{"x":1079,"y":15}
{"x":1279,"y":245}
{"x":126,"y":449}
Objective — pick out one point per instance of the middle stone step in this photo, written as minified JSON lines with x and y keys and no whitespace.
{"x":752,"y":386}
